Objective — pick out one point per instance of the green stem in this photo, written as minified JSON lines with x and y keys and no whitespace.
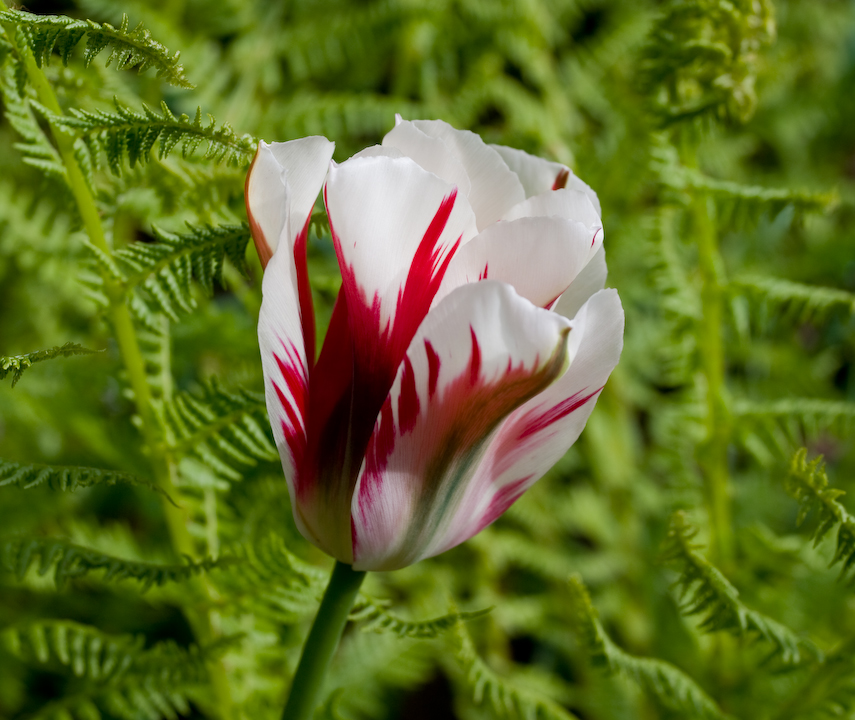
{"x":132,"y":358}
{"x":322,"y":641}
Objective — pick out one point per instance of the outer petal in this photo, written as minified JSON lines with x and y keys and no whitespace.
{"x":396,"y":227}
{"x":494,"y":188}
{"x":538,"y":256}
{"x":480,"y":354}
{"x":537,"y":434}
{"x":538,"y":175}
{"x":281,"y":188}
{"x":286,"y":377}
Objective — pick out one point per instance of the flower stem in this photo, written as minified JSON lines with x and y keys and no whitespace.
{"x":322,"y":641}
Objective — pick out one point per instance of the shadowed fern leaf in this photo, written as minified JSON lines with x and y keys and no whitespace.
{"x":807,"y":482}
{"x":711,"y":595}
{"x":129,"y":136}
{"x":376,"y":618}
{"x":225,"y":429}
{"x":505,"y":699}
{"x":67,"y":478}
{"x":115,"y":676}
{"x":668,"y":684}
{"x":128,"y":48}
{"x":17,"y":364}
{"x":71,"y":561}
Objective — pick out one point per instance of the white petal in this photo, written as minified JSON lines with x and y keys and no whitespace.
{"x":285,"y":368}
{"x":539,"y":256}
{"x":481,"y":353}
{"x":539,"y":176}
{"x":430,"y":152}
{"x":395,"y":227}
{"x":570,"y":204}
{"x":494,"y":188}
{"x":281,"y":188}
{"x":590,"y":280}
{"x":537,"y":435}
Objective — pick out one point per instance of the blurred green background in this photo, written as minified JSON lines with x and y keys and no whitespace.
{"x":720,"y":137}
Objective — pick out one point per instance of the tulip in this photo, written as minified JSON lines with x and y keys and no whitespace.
{"x":467,"y":347}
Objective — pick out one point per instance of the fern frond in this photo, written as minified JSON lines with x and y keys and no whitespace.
{"x":225,"y":429}
{"x":165,"y":269}
{"x":67,"y":478}
{"x":115,"y":675}
{"x":71,"y":561}
{"x":35,"y":147}
{"x":807,"y":483}
{"x":128,"y":48}
{"x":712,"y":596}
{"x":376,"y":618}
{"x":17,"y":364}
{"x":129,"y":136}
{"x":668,"y":684}
{"x":505,"y":699}
{"x":796,"y":300}
{"x":794,"y":414}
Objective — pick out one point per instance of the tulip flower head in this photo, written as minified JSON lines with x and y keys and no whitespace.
{"x":468,"y":344}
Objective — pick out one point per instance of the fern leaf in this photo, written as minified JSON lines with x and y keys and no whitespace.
{"x":505,"y":699}
{"x":115,"y":675}
{"x":129,"y":49}
{"x":164,"y":269}
{"x":668,"y":684}
{"x":376,"y":618}
{"x":807,"y":483}
{"x":129,"y":136}
{"x":67,"y":478}
{"x":17,"y":364}
{"x":71,"y":561}
{"x":225,"y":429}
{"x":713,"y":597}
{"x":794,"y":414}
{"x":796,"y":300}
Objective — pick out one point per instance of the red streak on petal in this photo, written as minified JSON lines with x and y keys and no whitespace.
{"x":433,"y":368}
{"x":304,"y":291}
{"x":294,"y":423}
{"x":537,"y":422}
{"x":483,"y":275}
{"x":561,"y":179}
{"x":408,"y":400}
{"x":501,"y":501}
{"x":594,"y":239}
{"x":475,"y":359}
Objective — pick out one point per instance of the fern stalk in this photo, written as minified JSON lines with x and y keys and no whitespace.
{"x":713,"y":453}
{"x":322,"y":642}
{"x":129,"y":348}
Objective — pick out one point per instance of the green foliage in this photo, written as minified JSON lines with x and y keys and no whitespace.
{"x":807,"y":482}
{"x":796,"y":301}
{"x":15,"y":365}
{"x":63,"y":477}
{"x":729,"y":242}
{"x":501,"y":696}
{"x":116,"y":675}
{"x":125,"y":136}
{"x":225,"y":429}
{"x":702,"y":57}
{"x":669,"y":685}
{"x":707,"y":592}
{"x":72,"y":561}
{"x":129,"y":49}
{"x":376,"y":618}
